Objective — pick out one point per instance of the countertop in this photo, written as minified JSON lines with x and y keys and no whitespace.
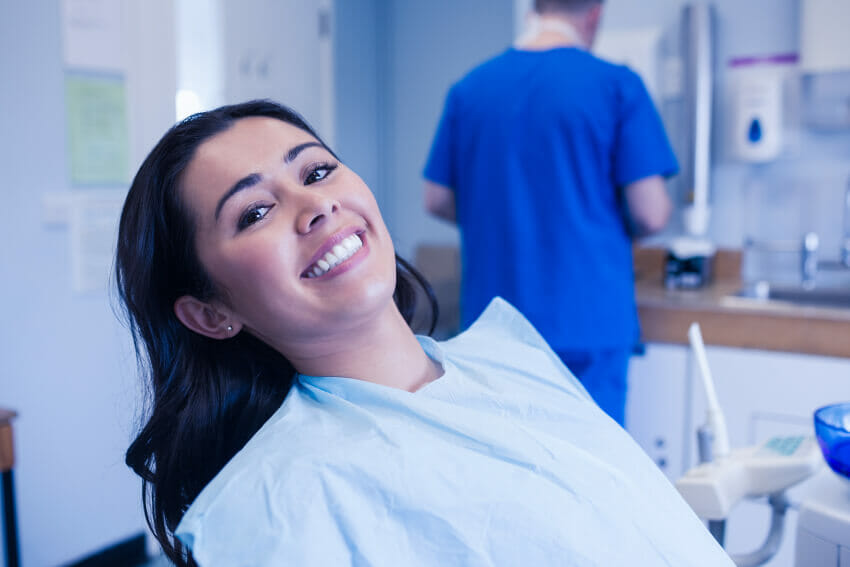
{"x":666,"y":314}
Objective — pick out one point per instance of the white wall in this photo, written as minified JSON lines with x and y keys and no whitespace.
{"x":199,"y":28}
{"x":432,"y":44}
{"x":360,"y":39}
{"x":65,"y":361}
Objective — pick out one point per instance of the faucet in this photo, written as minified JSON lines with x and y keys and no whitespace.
{"x":809,"y":264}
{"x":809,"y":258}
{"x":845,"y":239}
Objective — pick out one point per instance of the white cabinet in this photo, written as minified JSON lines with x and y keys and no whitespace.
{"x":762,"y":394}
{"x":281,"y":49}
{"x":656,"y":407}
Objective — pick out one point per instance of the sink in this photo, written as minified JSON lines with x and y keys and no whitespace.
{"x":831,"y":297}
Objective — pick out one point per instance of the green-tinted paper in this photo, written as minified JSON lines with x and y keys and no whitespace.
{"x":97,"y":130}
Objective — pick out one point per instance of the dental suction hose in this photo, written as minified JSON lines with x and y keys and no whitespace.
{"x":778,"y":505}
{"x":715,"y":421}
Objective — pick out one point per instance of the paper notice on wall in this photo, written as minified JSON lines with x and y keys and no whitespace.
{"x":94,"y":217}
{"x":98,"y":136}
{"x":91,"y":34}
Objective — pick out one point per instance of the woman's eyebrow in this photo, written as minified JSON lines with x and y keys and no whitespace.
{"x":293,"y":153}
{"x":243,"y":183}
{"x":254,"y":178}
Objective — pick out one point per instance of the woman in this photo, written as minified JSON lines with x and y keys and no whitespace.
{"x":255,"y":267}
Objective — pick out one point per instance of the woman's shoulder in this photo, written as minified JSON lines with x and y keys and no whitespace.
{"x":283,"y":455}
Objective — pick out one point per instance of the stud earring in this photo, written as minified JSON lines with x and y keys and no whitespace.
{"x":230,"y":328}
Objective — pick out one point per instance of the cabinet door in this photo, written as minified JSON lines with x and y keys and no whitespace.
{"x":657,"y":405}
{"x":281,"y":49}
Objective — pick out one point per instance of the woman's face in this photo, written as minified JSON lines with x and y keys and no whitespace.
{"x":292,"y":239}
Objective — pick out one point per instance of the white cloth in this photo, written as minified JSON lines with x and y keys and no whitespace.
{"x":503,"y":461}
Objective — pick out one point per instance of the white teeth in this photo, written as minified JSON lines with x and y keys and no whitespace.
{"x":338,"y":254}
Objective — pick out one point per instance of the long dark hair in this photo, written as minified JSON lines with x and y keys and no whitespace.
{"x":205,"y":397}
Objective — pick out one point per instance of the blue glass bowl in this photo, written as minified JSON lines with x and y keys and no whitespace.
{"x":832,"y":429}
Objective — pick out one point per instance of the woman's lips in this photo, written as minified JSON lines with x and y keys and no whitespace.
{"x":336,"y":251}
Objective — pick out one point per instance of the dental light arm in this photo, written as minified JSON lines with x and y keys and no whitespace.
{"x":715,"y":421}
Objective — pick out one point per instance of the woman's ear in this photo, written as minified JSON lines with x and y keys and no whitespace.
{"x":213,"y":321}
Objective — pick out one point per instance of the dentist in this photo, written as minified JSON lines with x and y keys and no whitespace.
{"x":551,"y":161}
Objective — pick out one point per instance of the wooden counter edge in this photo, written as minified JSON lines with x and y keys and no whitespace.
{"x":761,"y":332}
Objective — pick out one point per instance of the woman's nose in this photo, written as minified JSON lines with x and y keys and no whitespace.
{"x":315,"y":209}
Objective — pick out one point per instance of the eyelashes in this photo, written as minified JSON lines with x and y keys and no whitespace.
{"x":254,"y":214}
{"x":318,"y":172}
{"x":258,"y":211}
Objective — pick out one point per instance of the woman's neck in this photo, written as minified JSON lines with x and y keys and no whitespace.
{"x":384,"y":351}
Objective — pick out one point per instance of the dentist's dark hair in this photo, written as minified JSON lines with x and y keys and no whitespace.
{"x":204,"y":398}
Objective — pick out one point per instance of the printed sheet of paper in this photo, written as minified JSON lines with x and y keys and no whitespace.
{"x":94,"y":230}
{"x":98,"y":137}
{"x":91,"y":34}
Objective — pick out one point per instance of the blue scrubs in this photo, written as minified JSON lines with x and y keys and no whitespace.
{"x":503,"y":461}
{"x":538,"y":146}
{"x":603,"y":374}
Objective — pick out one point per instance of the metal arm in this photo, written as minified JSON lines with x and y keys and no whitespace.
{"x":778,"y":504}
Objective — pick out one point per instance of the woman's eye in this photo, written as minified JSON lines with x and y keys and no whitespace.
{"x":318,"y":173}
{"x":253,"y":215}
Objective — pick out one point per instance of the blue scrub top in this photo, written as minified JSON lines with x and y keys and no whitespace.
{"x":537,"y":146}
{"x":503,"y":461}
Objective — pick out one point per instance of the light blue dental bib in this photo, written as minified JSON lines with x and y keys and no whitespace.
{"x":503,"y":461}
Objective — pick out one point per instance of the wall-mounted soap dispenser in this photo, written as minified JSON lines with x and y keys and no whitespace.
{"x":759,"y":106}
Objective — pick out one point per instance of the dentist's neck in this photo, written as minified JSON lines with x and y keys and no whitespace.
{"x":553,"y":30}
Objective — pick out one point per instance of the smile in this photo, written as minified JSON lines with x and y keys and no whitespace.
{"x":335,"y":256}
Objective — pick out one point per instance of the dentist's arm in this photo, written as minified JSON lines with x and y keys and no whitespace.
{"x":647,"y":205}
{"x":440,"y":201}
